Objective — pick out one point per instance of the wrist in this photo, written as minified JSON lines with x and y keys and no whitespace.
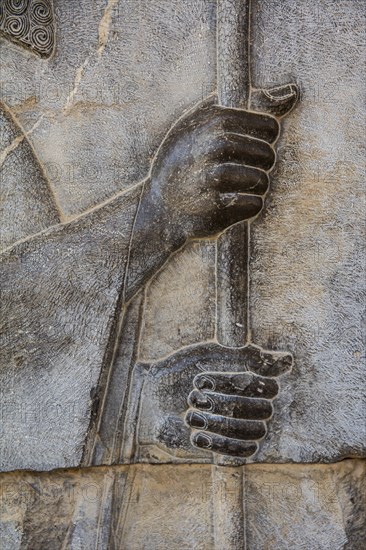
{"x":154,"y":238}
{"x":155,"y":223}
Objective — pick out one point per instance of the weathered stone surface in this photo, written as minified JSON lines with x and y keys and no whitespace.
{"x":27,"y":201}
{"x":60,"y":294}
{"x":94,"y":117}
{"x":173,"y":298}
{"x":308,"y":247}
{"x":173,"y":507}
{"x":146,"y":331}
{"x":66,"y":291}
{"x":133,"y":67}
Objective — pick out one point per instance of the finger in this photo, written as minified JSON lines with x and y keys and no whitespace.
{"x":245,"y":384}
{"x":238,"y":121}
{"x":278,"y":101}
{"x":223,"y":445}
{"x":232,"y":406}
{"x":230,"y":427}
{"x":233,"y":208}
{"x":239,"y":148}
{"x":232,"y":177}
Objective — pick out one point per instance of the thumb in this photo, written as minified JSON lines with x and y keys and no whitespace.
{"x":267,"y":363}
{"x":275,"y":101}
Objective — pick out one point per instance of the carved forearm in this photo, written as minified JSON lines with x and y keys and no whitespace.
{"x":153,"y":240}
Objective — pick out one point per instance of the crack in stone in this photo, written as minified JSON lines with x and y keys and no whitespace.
{"x":104,"y":26}
{"x":77,"y":81}
{"x":17,"y":141}
{"x":10,"y":148}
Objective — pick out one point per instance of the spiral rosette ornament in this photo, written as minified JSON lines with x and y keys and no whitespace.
{"x":29,"y":23}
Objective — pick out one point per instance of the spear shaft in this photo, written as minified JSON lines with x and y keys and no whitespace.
{"x":233,"y":87}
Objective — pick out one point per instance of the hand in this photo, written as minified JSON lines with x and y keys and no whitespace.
{"x":212,"y":168}
{"x":210,"y":172}
{"x":229,"y":410}
{"x":230,"y":405}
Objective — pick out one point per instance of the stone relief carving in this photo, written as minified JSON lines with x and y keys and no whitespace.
{"x":29,"y":23}
{"x":85,"y":300}
{"x":210,"y":173}
{"x":209,"y":176}
{"x":27,"y":204}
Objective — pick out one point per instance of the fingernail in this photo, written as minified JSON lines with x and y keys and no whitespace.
{"x":204,"y":403}
{"x":202,"y":440}
{"x":200,"y":401}
{"x":196,"y":420}
{"x":281,"y":92}
{"x":205,"y":383}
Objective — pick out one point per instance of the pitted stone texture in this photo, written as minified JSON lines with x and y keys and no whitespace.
{"x":174,"y":297}
{"x":307,"y":265}
{"x":94,"y":138}
{"x":307,"y":246}
{"x":164,"y":507}
{"x":130,"y":66}
{"x":27,"y":202}
{"x":58,"y":312}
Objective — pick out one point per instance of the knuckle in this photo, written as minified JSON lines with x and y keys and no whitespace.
{"x":256,"y":433}
{"x":268,"y":385}
{"x":268,"y":158}
{"x":273,"y":385}
{"x":262,"y":431}
{"x":269,"y":409}
{"x":270,"y":125}
{"x":263,"y":178}
{"x":204,"y":382}
{"x":273,"y":126}
{"x":271,"y":156}
{"x":267,"y":125}
{"x":215,"y":173}
{"x":222,"y":124}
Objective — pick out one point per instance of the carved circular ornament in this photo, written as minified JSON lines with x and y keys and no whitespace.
{"x":29,"y":23}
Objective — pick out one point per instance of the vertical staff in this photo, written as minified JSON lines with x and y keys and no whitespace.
{"x":233,"y":86}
